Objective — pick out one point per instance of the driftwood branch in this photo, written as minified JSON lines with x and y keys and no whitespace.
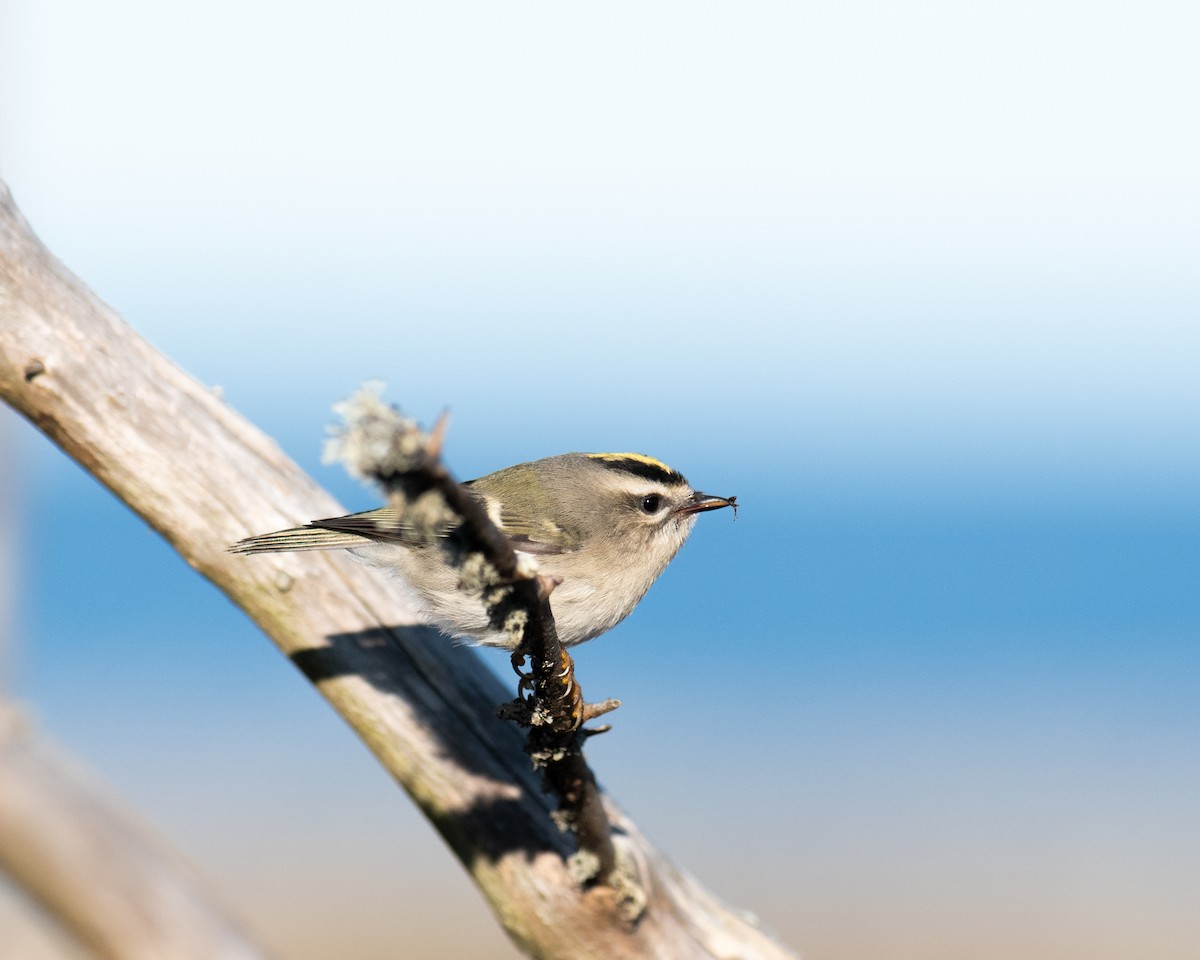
{"x":204,"y":478}
{"x":99,"y":873}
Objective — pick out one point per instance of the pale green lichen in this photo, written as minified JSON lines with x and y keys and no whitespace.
{"x":493,"y":598}
{"x":376,"y":440}
{"x":631,"y":895}
{"x":583,"y":866}
{"x":527,"y":567}
{"x":428,"y":516}
{"x":477,"y":574}
{"x":515,"y":624}
{"x":543,"y":716}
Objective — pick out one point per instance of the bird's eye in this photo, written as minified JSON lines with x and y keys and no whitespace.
{"x":651,"y":503}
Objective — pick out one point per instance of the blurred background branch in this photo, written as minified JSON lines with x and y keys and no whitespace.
{"x":105,"y":877}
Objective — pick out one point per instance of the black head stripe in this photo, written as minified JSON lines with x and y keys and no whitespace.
{"x":639,"y":465}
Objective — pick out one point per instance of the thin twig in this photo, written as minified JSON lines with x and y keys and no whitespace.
{"x":380,"y":444}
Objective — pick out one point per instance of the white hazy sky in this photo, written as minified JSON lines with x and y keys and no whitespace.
{"x":936,"y":219}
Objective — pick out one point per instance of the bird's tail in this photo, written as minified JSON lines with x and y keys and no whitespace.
{"x":298,"y":538}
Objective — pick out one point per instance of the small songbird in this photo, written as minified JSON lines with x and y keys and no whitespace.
{"x":606,"y":523}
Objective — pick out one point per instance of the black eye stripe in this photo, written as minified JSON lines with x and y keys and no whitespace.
{"x":644,"y":467}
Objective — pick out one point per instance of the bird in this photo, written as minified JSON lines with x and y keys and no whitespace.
{"x":606,"y":524}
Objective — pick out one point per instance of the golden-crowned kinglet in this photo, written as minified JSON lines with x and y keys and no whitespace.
{"x":606,"y":523}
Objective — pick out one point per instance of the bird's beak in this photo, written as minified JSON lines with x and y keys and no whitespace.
{"x":699,"y":502}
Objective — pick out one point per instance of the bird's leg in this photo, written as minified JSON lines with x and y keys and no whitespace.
{"x":525,"y":685}
{"x":567,"y":697}
{"x":567,"y":708}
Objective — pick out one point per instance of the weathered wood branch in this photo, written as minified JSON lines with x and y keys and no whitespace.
{"x":102,"y":875}
{"x":204,"y":478}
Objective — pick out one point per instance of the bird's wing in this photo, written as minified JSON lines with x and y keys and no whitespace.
{"x":384,"y":525}
{"x":353,"y":530}
{"x":538,"y":537}
{"x":388,"y":525}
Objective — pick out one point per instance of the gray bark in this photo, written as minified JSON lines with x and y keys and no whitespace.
{"x":204,"y":478}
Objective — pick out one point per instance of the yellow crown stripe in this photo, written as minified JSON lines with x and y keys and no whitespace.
{"x":636,"y":457}
{"x":640,"y":465}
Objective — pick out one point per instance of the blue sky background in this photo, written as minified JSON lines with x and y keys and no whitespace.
{"x":917,"y":282}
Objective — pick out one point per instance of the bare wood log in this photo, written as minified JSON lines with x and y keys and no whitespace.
{"x":203,"y":477}
{"x":97,"y":871}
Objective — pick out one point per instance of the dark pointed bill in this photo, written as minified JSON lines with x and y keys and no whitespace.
{"x":699,"y":502}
